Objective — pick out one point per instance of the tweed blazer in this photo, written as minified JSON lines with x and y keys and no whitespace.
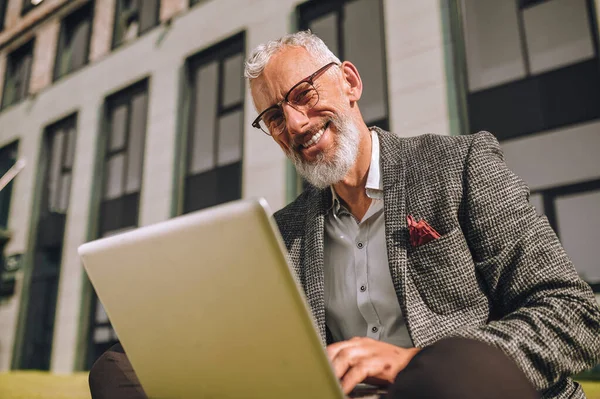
{"x":497,"y":274}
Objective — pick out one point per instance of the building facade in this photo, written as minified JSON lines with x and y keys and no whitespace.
{"x":130,"y":112}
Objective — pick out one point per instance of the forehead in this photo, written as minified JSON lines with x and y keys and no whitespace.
{"x":290,"y":64}
{"x":284,"y":69}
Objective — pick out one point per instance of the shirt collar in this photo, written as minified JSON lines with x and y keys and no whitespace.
{"x":374,"y":186}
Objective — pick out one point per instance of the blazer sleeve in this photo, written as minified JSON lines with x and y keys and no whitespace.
{"x":548,"y":319}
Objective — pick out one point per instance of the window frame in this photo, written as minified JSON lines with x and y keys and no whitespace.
{"x":3,"y":7}
{"x":549,"y":197}
{"x":313,"y":9}
{"x":530,"y":89}
{"x":111,"y":102}
{"x":12,"y":146}
{"x":123,"y":96}
{"x":49,"y":229}
{"x":219,"y":52}
{"x":114,"y":42}
{"x":27,"y":50}
{"x":50,"y":131}
{"x":88,"y":8}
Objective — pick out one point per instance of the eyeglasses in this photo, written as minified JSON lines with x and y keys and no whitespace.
{"x":302,"y":97}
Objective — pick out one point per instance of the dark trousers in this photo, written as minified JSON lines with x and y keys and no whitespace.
{"x":451,"y":368}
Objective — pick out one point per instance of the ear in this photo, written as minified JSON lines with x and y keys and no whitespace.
{"x":353,"y":81}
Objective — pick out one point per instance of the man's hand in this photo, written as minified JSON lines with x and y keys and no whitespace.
{"x":363,"y":359}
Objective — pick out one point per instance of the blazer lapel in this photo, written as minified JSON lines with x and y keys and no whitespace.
{"x":394,"y":205}
{"x":312,"y":263}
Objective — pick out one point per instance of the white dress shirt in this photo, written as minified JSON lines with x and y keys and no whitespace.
{"x":360,"y":299}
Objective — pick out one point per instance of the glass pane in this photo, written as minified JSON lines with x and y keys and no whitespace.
{"x":233,"y":90}
{"x":558,"y":33}
{"x":8,"y":156}
{"x":201,"y":191}
{"x":78,"y":44}
{"x":365,"y":48}
{"x":578,"y":218}
{"x":326,"y":28}
{"x":492,"y":43}
{"x":101,"y":316}
{"x":126,"y":21}
{"x":118,"y":128}
{"x":230,"y":138}
{"x":148,"y":14}
{"x":65,"y":189}
{"x":102,"y":334}
{"x":229,"y":182}
{"x":64,"y":54}
{"x":56,"y":157}
{"x":24,"y":72}
{"x":113,"y":186}
{"x":8,"y":95}
{"x":68,"y":161}
{"x":201,"y":144}
{"x":137,"y":132}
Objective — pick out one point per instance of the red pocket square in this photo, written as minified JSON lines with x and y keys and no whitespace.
{"x":420,"y":232}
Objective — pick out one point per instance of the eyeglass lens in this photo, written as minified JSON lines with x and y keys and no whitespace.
{"x":302,"y":98}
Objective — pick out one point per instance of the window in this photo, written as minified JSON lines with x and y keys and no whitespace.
{"x":123,"y":161}
{"x":60,"y":150}
{"x":124,"y":134}
{"x":18,"y":72}
{"x":133,"y":18}
{"x":341,"y":25}
{"x":8,"y":157}
{"x":213,"y":171}
{"x":74,"y":40}
{"x":531,"y":65}
{"x":3,"y":4}
{"x":29,"y":5}
{"x":57,"y":161}
{"x":572,"y":212}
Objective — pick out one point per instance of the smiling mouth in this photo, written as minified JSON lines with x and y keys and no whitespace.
{"x":315,"y":138}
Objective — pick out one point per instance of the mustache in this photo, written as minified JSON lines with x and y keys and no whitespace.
{"x":297,"y":142}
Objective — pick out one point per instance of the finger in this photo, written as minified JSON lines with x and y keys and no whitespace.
{"x":349,"y":357}
{"x":334,"y":349}
{"x":353,"y":377}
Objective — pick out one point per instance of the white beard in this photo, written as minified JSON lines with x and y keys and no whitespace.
{"x":323,"y":172}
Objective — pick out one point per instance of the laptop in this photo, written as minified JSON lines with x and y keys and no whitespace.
{"x":206,"y":306}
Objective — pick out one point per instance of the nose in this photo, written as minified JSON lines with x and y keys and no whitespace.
{"x":297,"y":121}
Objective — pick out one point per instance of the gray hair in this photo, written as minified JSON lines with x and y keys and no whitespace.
{"x":260,"y":56}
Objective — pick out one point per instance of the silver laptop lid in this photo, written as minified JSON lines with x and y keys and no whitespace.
{"x":206,"y":305}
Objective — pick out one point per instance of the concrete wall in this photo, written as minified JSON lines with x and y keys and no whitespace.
{"x":557,"y":157}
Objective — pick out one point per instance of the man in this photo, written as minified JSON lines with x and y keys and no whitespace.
{"x":481,"y":302}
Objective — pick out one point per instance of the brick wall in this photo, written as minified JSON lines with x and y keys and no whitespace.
{"x":44,"y":52}
{"x":169,"y":8}
{"x":104,"y":13}
{"x":13,"y":22}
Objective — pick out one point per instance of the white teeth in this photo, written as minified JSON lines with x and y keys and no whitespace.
{"x":315,"y":139}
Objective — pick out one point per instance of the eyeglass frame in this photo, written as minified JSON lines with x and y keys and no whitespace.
{"x":309,"y":79}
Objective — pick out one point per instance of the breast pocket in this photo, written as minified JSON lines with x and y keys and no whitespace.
{"x":444,"y":273}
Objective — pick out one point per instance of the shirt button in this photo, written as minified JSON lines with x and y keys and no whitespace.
{"x":363,"y":288}
{"x":374,"y":329}
{"x":360,"y":245}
